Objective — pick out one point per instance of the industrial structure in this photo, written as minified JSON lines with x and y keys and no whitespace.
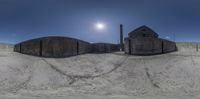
{"x":121,"y":38}
{"x":141,"y":41}
{"x":145,"y":41}
{"x":60,"y":47}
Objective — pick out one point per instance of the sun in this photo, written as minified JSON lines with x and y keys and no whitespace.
{"x":100,"y":26}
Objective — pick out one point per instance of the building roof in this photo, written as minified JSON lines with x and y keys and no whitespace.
{"x":143,"y":31}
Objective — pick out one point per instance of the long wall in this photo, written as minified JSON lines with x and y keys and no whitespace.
{"x":180,"y":46}
{"x":84,"y":47}
{"x":64,"y":47}
{"x":104,"y":48}
{"x":59,"y":47}
{"x":168,"y":46}
{"x":148,"y":46}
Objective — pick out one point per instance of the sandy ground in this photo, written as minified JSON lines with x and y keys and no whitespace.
{"x":96,"y":76}
{"x":100,"y":97}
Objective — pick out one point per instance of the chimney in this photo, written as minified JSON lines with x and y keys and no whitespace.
{"x":121,"y":38}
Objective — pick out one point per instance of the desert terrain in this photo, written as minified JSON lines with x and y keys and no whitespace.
{"x":96,"y":76}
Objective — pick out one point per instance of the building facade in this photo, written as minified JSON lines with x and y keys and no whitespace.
{"x":145,"y":41}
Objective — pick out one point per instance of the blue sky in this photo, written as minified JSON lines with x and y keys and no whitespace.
{"x":26,"y":19}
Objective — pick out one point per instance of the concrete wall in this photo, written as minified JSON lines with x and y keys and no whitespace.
{"x":17,"y":48}
{"x":84,"y":47}
{"x":169,"y":46}
{"x":104,"y":48}
{"x":53,"y":47}
{"x":98,"y":48}
{"x":126,"y":46}
{"x":145,"y":46}
{"x":59,"y":47}
{"x":148,"y":46}
{"x":31,"y":47}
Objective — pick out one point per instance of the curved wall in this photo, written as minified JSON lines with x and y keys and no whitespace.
{"x":59,"y":47}
{"x":53,"y":47}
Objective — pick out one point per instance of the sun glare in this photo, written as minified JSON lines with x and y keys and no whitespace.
{"x":100,"y":26}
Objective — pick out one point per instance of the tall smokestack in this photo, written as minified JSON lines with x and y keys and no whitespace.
{"x":121,"y":38}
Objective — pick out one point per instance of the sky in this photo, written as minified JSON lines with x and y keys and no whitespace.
{"x":21,"y":20}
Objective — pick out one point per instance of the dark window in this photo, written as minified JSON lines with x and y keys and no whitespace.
{"x":146,"y":35}
{"x":144,"y":30}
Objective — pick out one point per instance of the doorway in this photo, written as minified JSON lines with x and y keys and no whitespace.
{"x":162,"y":45}
{"x":129,"y":46}
{"x":41,"y":47}
{"x":77,"y":45}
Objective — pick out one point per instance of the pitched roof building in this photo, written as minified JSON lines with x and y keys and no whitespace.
{"x":145,"y":41}
{"x":143,"y":31}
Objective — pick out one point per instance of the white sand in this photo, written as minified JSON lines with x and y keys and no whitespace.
{"x":107,"y":75}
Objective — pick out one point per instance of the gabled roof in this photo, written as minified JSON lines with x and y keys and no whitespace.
{"x":142,"y":31}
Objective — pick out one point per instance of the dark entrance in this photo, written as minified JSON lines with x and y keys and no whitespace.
{"x":20,"y":48}
{"x":162,"y":45}
{"x":40,"y":47}
{"x":77,"y":48}
{"x":129,"y":46}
